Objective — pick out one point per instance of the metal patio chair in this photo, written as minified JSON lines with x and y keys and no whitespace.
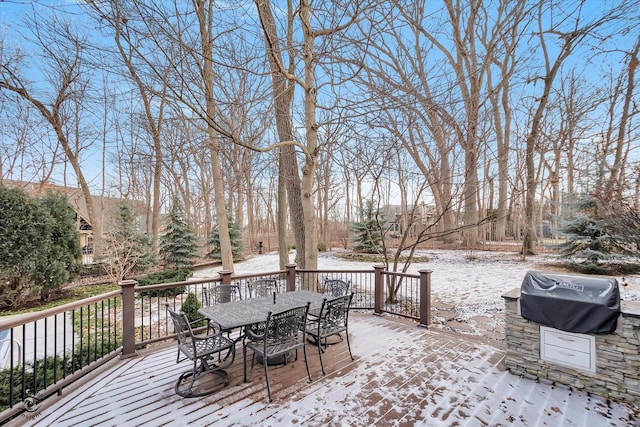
{"x":281,"y":334}
{"x":332,"y":288}
{"x":263,"y":287}
{"x":332,"y":320}
{"x":201,"y":350}
{"x":336,"y":287}
{"x":222,"y":293}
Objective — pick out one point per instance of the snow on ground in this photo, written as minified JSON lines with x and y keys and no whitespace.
{"x":466,"y":286}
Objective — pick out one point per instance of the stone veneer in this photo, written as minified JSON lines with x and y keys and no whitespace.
{"x":617,"y":375}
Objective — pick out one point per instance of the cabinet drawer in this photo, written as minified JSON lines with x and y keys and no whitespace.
{"x":567,"y":340}
{"x":576,"y":351}
{"x":563,"y":356}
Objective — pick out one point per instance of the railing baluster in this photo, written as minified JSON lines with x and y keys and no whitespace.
{"x":24,"y":359}
{"x":12,"y":371}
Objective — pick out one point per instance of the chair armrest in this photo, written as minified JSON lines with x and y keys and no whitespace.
{"x":211,"y":326}
{"x":204,"y":337}
{"x":251,"y":335}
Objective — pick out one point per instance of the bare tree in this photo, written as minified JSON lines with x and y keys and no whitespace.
{"x":27,"y":150}
{"x":307,"y":255}
{"x":154,"y":107}
{"x":622,"y":140}
{"x":560,"y":138}
{"x":570,"y":30}
{"x":283,"y":92}
{"x":185,"y":44}
{"x":435,"y":91}
{"x":506,"y":61}
{"x":62,"y":55}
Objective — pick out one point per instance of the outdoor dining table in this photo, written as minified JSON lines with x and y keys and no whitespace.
{"x":241,"y":313}
{"x":237,"y":314}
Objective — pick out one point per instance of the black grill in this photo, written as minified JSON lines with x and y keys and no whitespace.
{"x":582,"y":304}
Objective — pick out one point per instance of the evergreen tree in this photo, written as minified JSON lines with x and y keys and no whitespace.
{"x":593,"y":243}
{"x":63,"y":259}
{"x":368,"y":234}
{"x":235,"y":235}
{"x":178,"y":243}
{"x":127,"y":249}
{"x":39,"y":246}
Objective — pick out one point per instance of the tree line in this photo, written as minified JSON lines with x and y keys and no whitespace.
{"x":295,"y":115}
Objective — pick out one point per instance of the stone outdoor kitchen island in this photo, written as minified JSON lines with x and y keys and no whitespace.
{"x":606,"y":365}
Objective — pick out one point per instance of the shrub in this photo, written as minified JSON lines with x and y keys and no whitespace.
{"x":190,"y":307}
{"x":47,"y":371}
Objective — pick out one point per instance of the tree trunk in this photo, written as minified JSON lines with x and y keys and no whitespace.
{"x":617,"y":171}
{"x":281,"y":214}
{"x":283,"y":97}
{"x":205,"y":19}
{"x":311,"y":128}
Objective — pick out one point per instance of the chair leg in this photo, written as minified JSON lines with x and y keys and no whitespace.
{"x":266,"y":375}
{"x":320,"y":351}
{"x":194,"y":374}
{"x":244,"y":361}
{"x":306,"y":362}
{"x":349,"y":344}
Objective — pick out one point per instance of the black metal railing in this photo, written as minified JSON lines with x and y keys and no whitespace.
{"x":45,"y":351}
{"x":361,"y":283}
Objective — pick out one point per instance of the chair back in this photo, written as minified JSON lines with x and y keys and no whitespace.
{"x":263,"y":287}
{"x":336,"y":287}
{"x":281,"y":329}
{"x":222,"y":293}
{"x":181,"y":327}
{"x":335,"y":313}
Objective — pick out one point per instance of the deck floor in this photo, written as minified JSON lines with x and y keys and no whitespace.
{"x":402,"y":375}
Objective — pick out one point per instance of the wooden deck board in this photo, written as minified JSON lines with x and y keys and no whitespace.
{"x":403,"y":375}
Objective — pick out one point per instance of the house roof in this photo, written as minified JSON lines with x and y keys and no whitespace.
{"x":103,"y":205}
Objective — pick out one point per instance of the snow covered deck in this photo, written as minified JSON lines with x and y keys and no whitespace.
{"x":402,"y":375}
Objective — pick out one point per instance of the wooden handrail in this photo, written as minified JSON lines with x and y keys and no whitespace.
{"x":25,"y":318}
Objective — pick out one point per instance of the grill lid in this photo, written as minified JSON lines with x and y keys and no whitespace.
{"x":582,"y":304}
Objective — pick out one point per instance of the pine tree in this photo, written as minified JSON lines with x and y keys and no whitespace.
{"x":368,"y":234}
{"x":594,"y":244}
{"x":178,"y":243}
{"x":235,"y":235}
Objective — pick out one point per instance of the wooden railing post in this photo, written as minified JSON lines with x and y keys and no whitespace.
{"x":226,"y":276}
{"x":378,"y":302}
{"x":425,"y":298}
{"x":128,"y":318}
{"x":291,"y":277}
